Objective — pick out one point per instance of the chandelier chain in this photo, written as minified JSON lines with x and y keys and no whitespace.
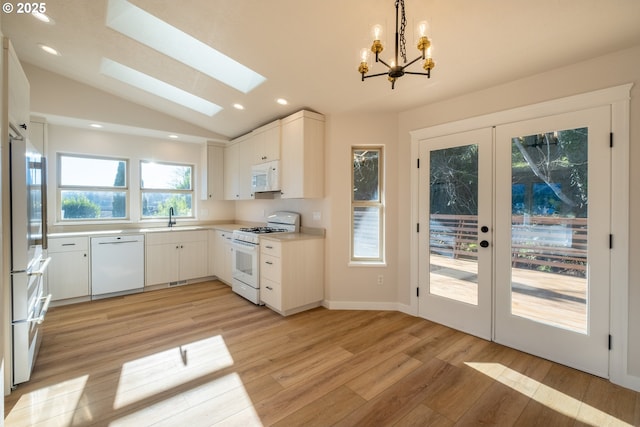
{"x":403,"y":41}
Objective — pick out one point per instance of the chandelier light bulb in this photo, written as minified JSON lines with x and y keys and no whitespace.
{"x":364,"y":54}
{"x":423,"y":29}
{"x":376,"y":32}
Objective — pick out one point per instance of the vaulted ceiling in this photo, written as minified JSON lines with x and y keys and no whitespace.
{"x":308,"y":52}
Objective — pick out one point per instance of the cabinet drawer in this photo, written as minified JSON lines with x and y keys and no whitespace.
{"x":271,"y":247}
{"x":270,"y":268}
{"x":270,"y":294}
{"x":68,"y":244}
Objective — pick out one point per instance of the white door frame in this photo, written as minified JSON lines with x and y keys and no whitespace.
{"x":618,"y":97}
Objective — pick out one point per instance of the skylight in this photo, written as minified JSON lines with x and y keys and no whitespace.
{"x":157,"y":87}
{"x":145,"y":28}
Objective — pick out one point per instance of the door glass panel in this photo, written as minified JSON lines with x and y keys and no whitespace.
{"x":549,"y":228}
{"x":453,"y":223}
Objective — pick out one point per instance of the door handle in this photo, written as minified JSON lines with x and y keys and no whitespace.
{"x":484,"y":244}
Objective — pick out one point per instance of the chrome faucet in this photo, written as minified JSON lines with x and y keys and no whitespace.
{"x":171,"y":213}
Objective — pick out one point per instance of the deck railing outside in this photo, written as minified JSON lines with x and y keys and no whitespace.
{"x":546,"y":243}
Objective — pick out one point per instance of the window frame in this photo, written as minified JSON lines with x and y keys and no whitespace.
{"x":150,"y":190}
{"x":379,"y":204}
{"x":60,"y":188}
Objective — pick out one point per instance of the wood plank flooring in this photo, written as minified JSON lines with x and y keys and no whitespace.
{"x":199,"y":355}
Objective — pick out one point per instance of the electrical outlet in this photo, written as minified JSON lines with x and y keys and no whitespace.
{"x":380,"y":279}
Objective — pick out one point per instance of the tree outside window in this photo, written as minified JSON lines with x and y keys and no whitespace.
{"x":367,"y":207}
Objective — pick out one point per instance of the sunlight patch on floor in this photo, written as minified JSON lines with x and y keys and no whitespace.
{"x":545,"y":395}
{"x":223,"y":400}
{"x":151,"y":375}
{"x":55,"y":402}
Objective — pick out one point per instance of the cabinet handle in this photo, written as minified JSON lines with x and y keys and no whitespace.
{"x":270,"y":288}
{"x":68,"y":244}
{"x":268,"y":262}
{"x":269,"y":247}
{"x":85,"y":255}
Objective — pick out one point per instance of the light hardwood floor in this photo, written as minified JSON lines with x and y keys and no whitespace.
{"x":199,"y":355}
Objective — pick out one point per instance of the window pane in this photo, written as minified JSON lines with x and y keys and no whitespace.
{"x":156,"y":204}
{"x":366,"y":232}
{"x":165,"y":177}
{"x":93,"y":204}
{"x":91,"y":172}
{"x":365,"y":175}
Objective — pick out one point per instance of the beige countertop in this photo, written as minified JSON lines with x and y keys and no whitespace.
{"x":174,"y":229}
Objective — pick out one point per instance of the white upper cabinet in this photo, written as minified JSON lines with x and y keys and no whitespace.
{"x":238,"y":158}
{"x":212,"y":172}
{"x":18,"y":87}
{"x":265,"y":143}
{"x":302,"y":159}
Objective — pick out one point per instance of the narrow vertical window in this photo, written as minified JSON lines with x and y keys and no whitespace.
{"x":367,"y":205}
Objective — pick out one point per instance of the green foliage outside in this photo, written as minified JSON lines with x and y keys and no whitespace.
{"x":80,"y":206}
{"x":119,"y":204}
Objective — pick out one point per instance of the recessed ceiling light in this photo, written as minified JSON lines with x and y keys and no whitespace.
{"x":238,"y":106}
{"x":49,"y":49}
{"x":157,"y":87}
{"x":43,"y":17}
{"x":172,"y":136}
{"x":95,"y":125}
{"x":282,"y":101}
{"x":145,"y":28}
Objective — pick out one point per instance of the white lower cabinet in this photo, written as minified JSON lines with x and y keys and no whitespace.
{"x":68,"y":272}
{"x":223,"y":256}
{"x":175,"y":256}
{"x":291,"y":274}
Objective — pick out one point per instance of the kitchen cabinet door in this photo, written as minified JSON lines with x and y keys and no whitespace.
{"x":212,"y":183}
{"x":223,"y":254}
{"x":68,"y":275}
{"x":302,"y":155}
{"x":231,"y":181}
{"x":193,"y":260}
{"x":162,"y":263}
{"x":266,"y":143}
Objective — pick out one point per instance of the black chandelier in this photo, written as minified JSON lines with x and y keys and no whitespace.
{"x":394,"y":70}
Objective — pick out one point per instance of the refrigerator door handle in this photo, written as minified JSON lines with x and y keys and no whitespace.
{"x":43,"y":268}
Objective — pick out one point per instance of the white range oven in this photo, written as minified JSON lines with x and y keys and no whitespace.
{"x":246,"y":252}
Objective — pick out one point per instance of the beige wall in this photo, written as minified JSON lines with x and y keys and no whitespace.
{"x":614,"y":69}
{"x":354,"y":286}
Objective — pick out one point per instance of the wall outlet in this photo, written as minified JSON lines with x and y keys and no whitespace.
{"x":380,"y":279}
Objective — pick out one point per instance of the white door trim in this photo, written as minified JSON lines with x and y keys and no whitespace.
{"x":618,"y":97}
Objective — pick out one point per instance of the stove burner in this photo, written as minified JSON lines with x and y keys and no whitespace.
{"x":263,"y":230}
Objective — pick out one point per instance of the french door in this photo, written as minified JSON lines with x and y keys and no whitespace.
{"x":552,"y":243}
{"x":455,"y":248}
{"x":517,"y":242}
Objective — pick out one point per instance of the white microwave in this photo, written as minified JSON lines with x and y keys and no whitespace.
{"x":265,"y":177}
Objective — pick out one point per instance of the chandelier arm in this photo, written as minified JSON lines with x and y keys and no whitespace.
{"x":408,"y":64}
{"x":376,"y":75}
{"x":419,"y":74}
{"x":384,"y":63}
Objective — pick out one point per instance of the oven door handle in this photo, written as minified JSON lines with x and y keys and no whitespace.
{"x":43,"y":268}
{"x":43,"y":311}
{"x":243,"y":245}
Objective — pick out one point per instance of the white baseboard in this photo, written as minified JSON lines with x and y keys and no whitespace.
{"x":366,"y":305}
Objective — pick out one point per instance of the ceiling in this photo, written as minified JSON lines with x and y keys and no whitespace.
{"x":309,"y":51}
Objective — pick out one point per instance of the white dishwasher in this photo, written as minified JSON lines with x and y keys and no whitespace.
{"x":117,"y":265}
